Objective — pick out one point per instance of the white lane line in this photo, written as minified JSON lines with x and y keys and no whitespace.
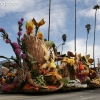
{"x":86,"y":98}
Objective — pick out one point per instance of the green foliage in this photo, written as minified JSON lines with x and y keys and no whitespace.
{"x":65,"y":81}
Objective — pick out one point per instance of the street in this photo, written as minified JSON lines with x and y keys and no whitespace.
{"x":91,"y":94}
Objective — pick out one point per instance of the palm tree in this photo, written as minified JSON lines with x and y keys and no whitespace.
{"x":49,"y":20}
{"x":88,"y":26}
{"x":75,"y":32}
{"x":95,"y":7}
{"x":64,"y":37}
{"x":64,"y":40}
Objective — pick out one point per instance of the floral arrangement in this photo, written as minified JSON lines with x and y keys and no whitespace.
{"x":70,"y":66}
{"x":40,"y":74}
{"x":92,"y":74}
{"x":20,"y":50}
{"x":70,"y":62}
{"x":19,"y":47}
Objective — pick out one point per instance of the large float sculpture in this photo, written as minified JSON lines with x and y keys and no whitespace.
{"x":34,"y":68}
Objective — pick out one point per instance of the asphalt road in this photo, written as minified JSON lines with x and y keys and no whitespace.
{"x":93,"y":94}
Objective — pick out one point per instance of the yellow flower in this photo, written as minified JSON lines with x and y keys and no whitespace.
{"x":68,"y":61}
{"x":45,"y":65}
{"x":52,"y":64}
{"x":29,"y":27}
{"x":38,"y":24}
{"x":64,"y":60}
{"x":71,"y":61}
{"x":55,"y":76}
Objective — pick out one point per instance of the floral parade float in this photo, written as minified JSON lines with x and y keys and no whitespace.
{"x":34,"y":68}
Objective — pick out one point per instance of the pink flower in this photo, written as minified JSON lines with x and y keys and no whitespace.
{"x":19,"y":33}
{"x":23,"y":56}
{"x":7,"y":40}
{"x":17,"y":51}
{"x":15,"y":45}
{"x":1,"y":29}
{"x":15,"y":64}
{"x":22,"y":38}
{"x":22,"y":19}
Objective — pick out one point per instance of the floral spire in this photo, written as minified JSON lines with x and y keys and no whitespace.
{"x":16,"y":46}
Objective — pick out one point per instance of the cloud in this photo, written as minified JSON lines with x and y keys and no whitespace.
{"x":15,"y":28}
{"x":16,"y":6}
{"x":98,"y":27}
{"x":97,"y":1}
{"x":86,"y":13}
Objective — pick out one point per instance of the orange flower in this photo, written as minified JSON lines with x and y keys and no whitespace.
{"x":13,"y":75}
{"x":3,"y":81}
{"x":38,"y":24}
{"x":40,"y":35}
{"x":9,"y":74}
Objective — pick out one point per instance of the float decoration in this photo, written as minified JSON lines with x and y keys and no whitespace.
{"x":33,"y":69}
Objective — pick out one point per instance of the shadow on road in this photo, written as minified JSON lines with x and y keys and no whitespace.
{"x":57,"y":92}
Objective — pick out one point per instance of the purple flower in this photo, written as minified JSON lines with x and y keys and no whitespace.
{"x":19,"y":22}
{"x":19,"y":33}
{"x":23,"y":56}
{"x":22,"y":19}
{"x":7,"y":40}
{"x":17,"y":51}
{"x":20,"y":29}
{"x":15,"y":45}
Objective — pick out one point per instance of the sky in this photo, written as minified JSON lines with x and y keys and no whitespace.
{"x":62,"y":21}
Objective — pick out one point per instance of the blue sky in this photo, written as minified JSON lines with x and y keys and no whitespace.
{"x":62,"y":22}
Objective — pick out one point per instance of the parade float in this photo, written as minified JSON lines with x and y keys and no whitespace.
{"x":35,"y":69}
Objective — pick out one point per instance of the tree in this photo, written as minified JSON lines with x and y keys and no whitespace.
{"x":96,"y":7}
{"x":64,"y":40}
{"x":88,"y":27}
{"x":49,"y":20}
{"x":64,"y":37}
{"x":75,"y":29}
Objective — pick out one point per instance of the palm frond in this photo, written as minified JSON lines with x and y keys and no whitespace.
{"x":64,"y":37}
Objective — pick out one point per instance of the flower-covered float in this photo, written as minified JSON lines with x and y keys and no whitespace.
{"x":34,"y":68}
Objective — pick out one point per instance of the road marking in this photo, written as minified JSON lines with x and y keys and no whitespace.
{"x":86,"y":98}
